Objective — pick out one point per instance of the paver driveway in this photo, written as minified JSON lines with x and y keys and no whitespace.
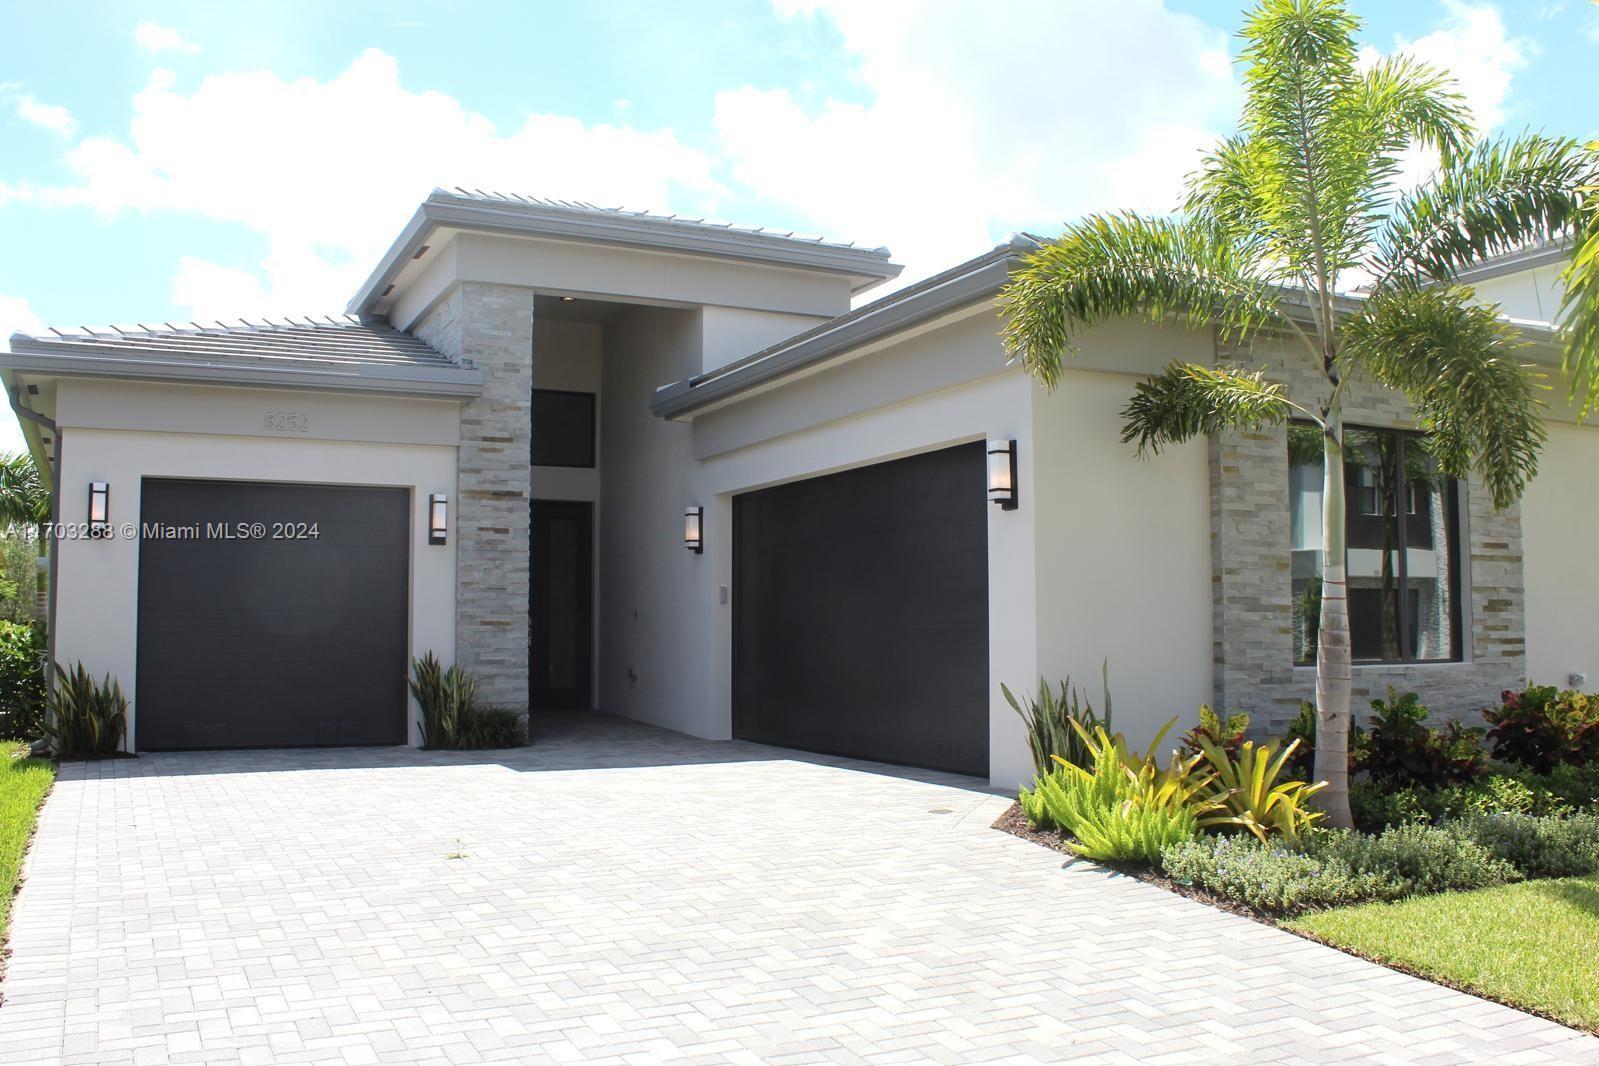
{"x":618,"y":892}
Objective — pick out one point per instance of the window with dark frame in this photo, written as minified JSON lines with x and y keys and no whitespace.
{"x":563,"y":428}
{"x":1401,"y":534}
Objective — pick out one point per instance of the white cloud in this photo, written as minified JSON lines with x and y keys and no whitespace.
{"x":978,"y":120}
{"x":53,"y":117}
{"x":154,"y":37}
{"x":16,"y":316}
{"x":329,"y":171}
{"x":1475,"y":46}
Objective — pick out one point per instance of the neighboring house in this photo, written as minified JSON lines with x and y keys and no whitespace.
{"x":571,"y":381}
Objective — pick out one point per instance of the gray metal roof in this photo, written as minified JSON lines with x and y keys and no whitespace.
{"x":573,"y":220}
{"x":338,"y":353}
{"x":538,"y":204}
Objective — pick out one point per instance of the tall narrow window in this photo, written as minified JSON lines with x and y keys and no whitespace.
{"x":1401,"y":532}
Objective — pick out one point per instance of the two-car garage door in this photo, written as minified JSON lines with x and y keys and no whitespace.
{"x":861,"y":613}
{"x":253,"y":632}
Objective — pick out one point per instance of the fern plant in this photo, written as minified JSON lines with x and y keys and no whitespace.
{"x":1049,"y":718}
{"x":84,"y":717}
{"x":1122,"y":806}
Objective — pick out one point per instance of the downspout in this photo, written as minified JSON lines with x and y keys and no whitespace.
{"x":27,"y":414}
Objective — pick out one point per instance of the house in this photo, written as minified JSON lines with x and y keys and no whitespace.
{"x":660,"y":467}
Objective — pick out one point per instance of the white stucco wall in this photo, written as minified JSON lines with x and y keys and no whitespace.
{"x":1530,"y":294}
{"x":1123,"y":570}
{"x":105,"y":437}
{"x":1559,"y":514}
{"x":731,"y":333}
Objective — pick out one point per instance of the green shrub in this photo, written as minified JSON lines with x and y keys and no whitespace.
{"x":1335,"y":868}
{"x":1269,"y":878}
{"x":451,"y":717}
{"x":85,"y":717}
{"x":446,"y":698}
{"x":22,"y":660}
{"x":1049,"y":718}
{"x":1542,"y":727}
{"x":1576,"y":786}
{"x":1401,"y":750}
{"x":1548,"y":846}
{"x":1376,"y":805}
{"x":490,"y":728}
{"x":1414,"y":860}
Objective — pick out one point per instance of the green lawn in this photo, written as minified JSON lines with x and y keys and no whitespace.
{"x":23,"y":783}
{"x":1533,"y":945}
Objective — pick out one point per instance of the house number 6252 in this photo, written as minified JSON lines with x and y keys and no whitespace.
{"x":287,"y":421}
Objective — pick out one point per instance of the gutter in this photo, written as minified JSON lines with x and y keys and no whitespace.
{"x":66,"y":361}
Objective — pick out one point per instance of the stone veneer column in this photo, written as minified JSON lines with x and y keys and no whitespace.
{"x":1252,"y":608}
{"x":492,"y":327}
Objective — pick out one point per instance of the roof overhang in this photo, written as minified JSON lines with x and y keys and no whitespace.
{"x":35,"y":356}
{"x":972,"y":282}
{"x":865,"y":268}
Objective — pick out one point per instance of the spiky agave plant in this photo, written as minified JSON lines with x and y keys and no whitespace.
{"x":1304,"y":195}
{"x":85,"y":717}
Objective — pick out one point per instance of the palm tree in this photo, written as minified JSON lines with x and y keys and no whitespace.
{"x":24,"y":495}
{"x":1280,"y":218}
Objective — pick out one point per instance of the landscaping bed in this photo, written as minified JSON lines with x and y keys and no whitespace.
{"x":1455,"y":838}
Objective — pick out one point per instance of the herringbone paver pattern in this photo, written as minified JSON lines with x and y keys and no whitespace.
{"x":628,"y":895}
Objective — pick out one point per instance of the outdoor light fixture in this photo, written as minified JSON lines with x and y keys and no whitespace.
{"x":99,"y":509}
{"x":438,"y":518}
{"x":1002,"y":473}
{"x":568,"y":299}
{"x":694,"y":529}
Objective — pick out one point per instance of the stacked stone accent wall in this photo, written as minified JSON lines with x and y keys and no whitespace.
{"x":1250,"y":538}
{"x":491,"y":326}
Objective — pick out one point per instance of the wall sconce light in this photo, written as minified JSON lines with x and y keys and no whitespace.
{"x":438,"y":518}
{"x":99,"y":509}
{"x":1002,"y":473}
{"x":694,"y":529}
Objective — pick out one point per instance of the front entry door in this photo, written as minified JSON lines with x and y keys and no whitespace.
{"x":561,"y":607}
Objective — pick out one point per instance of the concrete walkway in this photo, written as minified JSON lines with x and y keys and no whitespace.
{"x":620,"y":893}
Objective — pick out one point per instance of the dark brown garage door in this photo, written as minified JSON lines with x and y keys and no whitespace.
{"x":861,"y":613}
{"x":251,"y":642}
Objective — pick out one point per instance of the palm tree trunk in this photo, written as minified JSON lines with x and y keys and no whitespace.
{"x":1333,"y":661}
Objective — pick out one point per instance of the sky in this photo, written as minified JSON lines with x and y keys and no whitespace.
{"x":196,"y":160}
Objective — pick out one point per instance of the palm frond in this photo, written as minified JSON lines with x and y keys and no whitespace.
{"x":1187,"y":400}
{"x":1579,"y":308}
{"x":1111,"y":266}
{"x":1494,"y":198}
{"x":1456,"y":362}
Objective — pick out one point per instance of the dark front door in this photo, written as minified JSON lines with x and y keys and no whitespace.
{"x":282,"y":639}
{"x":861,"y":613}
{"x":561,"y":622}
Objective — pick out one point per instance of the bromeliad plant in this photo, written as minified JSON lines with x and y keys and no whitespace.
{"x":1250,"y":797}
{"x":1050,"y":718}
{"x":1285,"y":216}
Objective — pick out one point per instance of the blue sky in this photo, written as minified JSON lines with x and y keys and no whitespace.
{"x":163,"y":161}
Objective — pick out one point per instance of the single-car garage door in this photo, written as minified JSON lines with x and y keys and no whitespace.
{"x":861,"y":613}
{"x":253,"y":632}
